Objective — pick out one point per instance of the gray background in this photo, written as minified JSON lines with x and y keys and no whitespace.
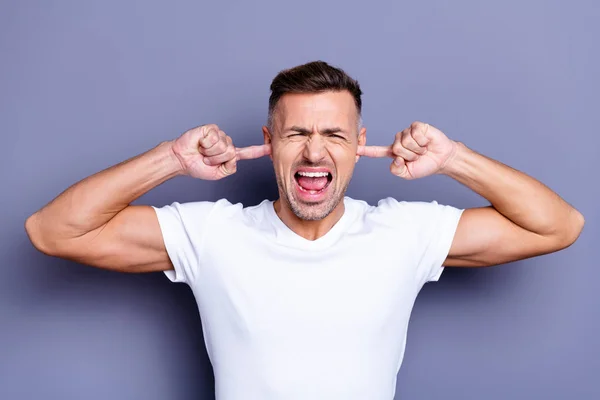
{"x":84,"y":85}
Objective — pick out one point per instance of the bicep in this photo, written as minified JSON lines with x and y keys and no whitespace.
{"x":131,"y":241}
{"x":484,"y":237}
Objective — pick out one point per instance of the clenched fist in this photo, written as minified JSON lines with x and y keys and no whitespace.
{"x":418,"y":151}
{"x":206,"y":152}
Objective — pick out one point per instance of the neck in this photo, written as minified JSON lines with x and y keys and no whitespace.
{"x":310,"y":230}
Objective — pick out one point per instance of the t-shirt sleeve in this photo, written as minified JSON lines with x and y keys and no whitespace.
{"x":438,"y":227}
{"x":183,"y":226}
{"x":431,"y":228}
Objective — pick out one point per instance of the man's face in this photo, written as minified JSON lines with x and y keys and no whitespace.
{"x":314,"y":139}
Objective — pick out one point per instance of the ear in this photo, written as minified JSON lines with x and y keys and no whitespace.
{"x":267,"y":137}
{"x":362,"y":140}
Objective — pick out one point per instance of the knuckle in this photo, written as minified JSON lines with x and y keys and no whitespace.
{"x":207,"y":138}
{"x":420,"y":134}
{"x":219,"y":145}
{"x":212,"y":138}
{"x":206,"y":130}
{"x":230,"y":152}
{"x":416,"y":125}
{"x":210,"y":127}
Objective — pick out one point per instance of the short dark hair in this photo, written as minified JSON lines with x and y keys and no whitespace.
{"x":313,"y":77}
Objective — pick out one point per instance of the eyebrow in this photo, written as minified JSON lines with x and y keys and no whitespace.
{"x":306,"y":131}
{"x":298,"y":129}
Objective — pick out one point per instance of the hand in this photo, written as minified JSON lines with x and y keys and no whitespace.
{"x":206,"y":152}
{"x":418,"y":151}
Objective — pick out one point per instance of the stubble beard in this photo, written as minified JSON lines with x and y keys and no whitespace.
{"x":311,"y":211}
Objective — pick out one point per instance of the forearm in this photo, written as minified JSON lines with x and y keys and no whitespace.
{"x":95,"y":200}
{"x":522,"y":199}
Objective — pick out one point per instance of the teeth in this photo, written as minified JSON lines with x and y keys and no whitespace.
{"x":313,"y":174}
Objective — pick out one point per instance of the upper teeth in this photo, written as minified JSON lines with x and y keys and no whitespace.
{"x":313,"y":174}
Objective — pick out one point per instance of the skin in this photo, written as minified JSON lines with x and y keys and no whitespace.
{"x":92,"y":222}
{"x":313,"y":130}
{"x":525,"y":218}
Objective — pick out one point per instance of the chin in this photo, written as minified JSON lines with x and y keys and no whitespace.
{"x":311,"y":208}
{"x":313,"y":211}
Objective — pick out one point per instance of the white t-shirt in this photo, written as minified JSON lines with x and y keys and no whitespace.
{"x":288,"y":318}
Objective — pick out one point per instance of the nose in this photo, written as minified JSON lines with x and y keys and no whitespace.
{"x":314,"y":149}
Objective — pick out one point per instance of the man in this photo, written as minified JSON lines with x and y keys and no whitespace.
{"x":307,"y":297}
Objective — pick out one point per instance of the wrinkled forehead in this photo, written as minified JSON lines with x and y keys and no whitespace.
{"x":316,"y":111}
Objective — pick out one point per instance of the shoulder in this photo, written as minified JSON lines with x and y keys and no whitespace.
{"x":409,"y":208}
{"x":390,"y":211}
{"x":198,"y":211}
{"x":391,"y":205}
{"x":223,"y":207}
{"x":199,"y":217}
{"x":194,"y":208}
{"x":224,"y":210}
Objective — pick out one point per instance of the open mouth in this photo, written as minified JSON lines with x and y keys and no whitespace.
{"x":313,"y":182}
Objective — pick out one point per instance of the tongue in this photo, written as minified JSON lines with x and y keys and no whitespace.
{"x":312,"y":183}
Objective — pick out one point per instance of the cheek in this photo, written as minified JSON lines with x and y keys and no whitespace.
{"x":285,"y":156}
{"x":344,"y":158}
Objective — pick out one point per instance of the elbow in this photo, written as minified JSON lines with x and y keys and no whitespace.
{"x":578,"y":224}
{"x":34,"y":231}
{"x":571,"y":230}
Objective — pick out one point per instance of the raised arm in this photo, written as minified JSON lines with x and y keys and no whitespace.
{"x":92,"y":222}
{"x":525,"y":218}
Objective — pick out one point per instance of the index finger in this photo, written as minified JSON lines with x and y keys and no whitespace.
{"x":374,"y":151}
{"x":251,"y":152}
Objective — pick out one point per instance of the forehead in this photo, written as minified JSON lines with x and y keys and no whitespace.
{"x":310,"y":109}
